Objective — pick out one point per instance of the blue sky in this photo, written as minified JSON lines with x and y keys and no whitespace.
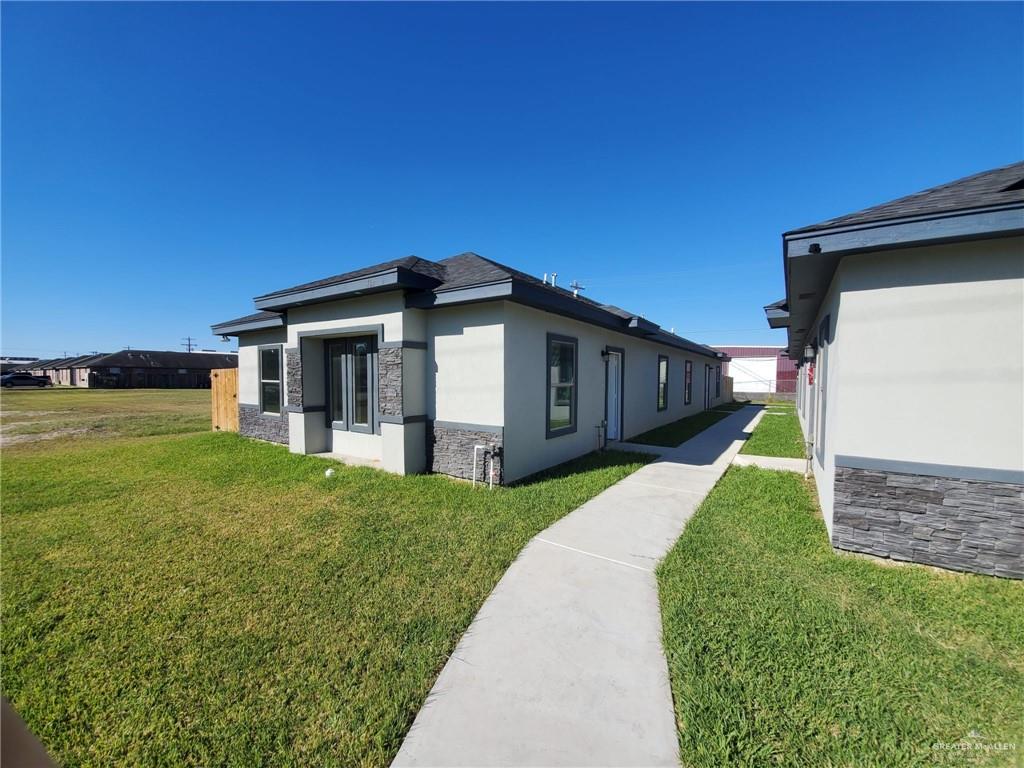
{"x":163,"y":163}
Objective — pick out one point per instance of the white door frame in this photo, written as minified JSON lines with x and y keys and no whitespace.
{"x":612,"y":408}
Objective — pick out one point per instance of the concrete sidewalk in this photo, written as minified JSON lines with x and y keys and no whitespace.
{"x":563,"y":665}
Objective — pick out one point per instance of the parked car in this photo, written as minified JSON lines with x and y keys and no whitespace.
{"x":24,"y":380}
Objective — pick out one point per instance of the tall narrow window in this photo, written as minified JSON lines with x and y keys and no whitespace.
{"x":718,"y":381}
{"x":270,"y":379}
{"x":351,"y":367}
{"x":361,"y":383}
{"x":662,"y":382}
{"x":688,"y":383}
{"x":336,"y":372}
{"x":561,"y":376}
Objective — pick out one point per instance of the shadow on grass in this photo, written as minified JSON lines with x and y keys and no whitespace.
{"x":586,"y":463}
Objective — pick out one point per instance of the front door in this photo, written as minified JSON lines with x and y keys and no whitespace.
{"x":613,"y":394}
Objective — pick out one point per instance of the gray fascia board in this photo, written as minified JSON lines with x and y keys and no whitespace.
{"x":547,"y":301}
{"x":777,"y":318}
{"x":905,"y":233}
{"x":233,"y":329}
{"x":643,"y":325}
{"x":467,"y":295}
{"x":390,"y":280}
{"x":936,"y":229}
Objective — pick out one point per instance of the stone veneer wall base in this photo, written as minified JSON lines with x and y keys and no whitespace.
{"x":389,"y":381}
{"x":262,"y":426}
{"x":450,"y":452}
{"x":963,"y":525}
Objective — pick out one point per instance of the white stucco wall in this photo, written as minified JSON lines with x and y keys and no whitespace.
{"x":927,"y":361}
{"x":465,"y":364}
{"x":248,"y":362}
{"x":387,"y":309}
{"x":527,"y":449}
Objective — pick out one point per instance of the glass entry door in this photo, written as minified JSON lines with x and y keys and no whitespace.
{"x":350,"y":366}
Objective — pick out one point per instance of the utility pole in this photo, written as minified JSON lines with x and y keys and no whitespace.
{"x":188,"y":342}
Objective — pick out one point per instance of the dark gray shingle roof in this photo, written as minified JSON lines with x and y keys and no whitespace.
{"x":995,"y":187}
{"x":412,"y":263}
{"x":255,"y":316}
{"x":145,"y":358}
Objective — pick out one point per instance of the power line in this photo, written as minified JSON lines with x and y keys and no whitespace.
{"x":188,"y":342}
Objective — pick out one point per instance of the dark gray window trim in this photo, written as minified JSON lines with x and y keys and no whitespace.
{"x":622,"y":390}
{"x":348,"y":330}
{"x":718,"y":381}
{"x":548,"y":432}
{"x":492,"y":428}
{"x":280,"y":378}
{"x":952,"y":471}
{"x":347,"y":425}
{"x":687,"y":382}
{"x":657,"y":401}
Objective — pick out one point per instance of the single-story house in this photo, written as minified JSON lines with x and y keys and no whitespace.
{"x":461,"y":366}
{"x":136,"y":368}
{"x":908,"y":322}
{"x":758,"y":370}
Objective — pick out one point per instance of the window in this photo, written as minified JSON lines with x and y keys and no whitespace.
{"x":350,"y":383}
{"x":561,"y":385}
{"x":718,"y":381}
{"x":662,"y":382}
{"x":270,"y":379}
{"x":688,"y":383}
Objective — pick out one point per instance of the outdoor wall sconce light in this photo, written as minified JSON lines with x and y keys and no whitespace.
{"x":604,"y":355}
{"x":808,"y":352}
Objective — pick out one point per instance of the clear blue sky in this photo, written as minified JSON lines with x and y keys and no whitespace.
{"x":163,"y":163}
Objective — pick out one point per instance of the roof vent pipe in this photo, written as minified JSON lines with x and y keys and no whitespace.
{"x":554,"y":278}
{"x":545,"y":278}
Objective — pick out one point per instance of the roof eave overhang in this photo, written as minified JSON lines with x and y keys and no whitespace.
{"x":935,"y":229}
{"x":397,"y":278}
{"x":821,"y":250}
{"x":232,"y":328}
{"x":548,"y":301}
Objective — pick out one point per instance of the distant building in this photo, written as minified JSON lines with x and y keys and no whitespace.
{"x":10,"y":363}
{"x":135,"y":368}
{"x":758,"y":370}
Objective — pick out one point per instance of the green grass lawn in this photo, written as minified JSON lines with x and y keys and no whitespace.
{"x":30,"y":415}
{"x":776,"y":435}
{"x":782,"y":652}
{"x":671,"y":435}
{"x":209,"y":600}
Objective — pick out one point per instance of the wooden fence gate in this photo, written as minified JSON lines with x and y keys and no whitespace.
{"x":224,"y":396}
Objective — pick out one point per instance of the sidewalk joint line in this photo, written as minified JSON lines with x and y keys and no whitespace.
{"x":591,"y":554}
{"x":665,"y":487}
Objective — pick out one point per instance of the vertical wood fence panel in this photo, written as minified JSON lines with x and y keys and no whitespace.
{"x":224,"y":397}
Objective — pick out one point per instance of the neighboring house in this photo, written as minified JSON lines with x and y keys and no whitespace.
{"x":759,"y":370}
{"x":137,"y":368}
{"x":415,"y":365}
{"x":908,"y":320}
{"x":10,"y":364}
